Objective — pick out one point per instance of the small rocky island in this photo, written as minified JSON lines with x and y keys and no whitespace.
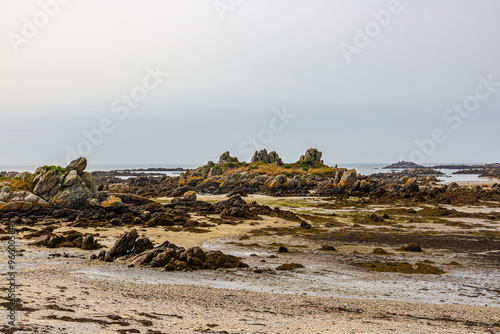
{"x":403,"y":165}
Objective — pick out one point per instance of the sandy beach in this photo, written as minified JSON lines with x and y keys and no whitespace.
{"x":62,"y":291}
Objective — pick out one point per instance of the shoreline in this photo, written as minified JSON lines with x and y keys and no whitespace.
{"x":284,"y":248}
{"x":156,"y":306}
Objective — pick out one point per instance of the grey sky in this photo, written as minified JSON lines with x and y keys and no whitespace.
{"x":228,"y":74}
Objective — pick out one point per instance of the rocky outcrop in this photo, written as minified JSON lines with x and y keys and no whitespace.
{"x":140,"y":252}
{"x":311,"y":157}
{"x":234,"y":207}
{"x":45,"y":182}
{"x":226,"y":158}
{"x":423,"y":175}
{"x":78,"y":164}
{"x":215,"y":171}
{"x":269,"y":158}
{"x":493,"y":172}
{"x":49,"y":186}
{"x":403,"y":165}
{"x":130,"y":243}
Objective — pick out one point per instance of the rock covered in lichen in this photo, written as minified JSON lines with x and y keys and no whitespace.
{"x":49,"y":186}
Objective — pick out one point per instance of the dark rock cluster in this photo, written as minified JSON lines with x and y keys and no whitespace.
{"x":68,"y":239}
{"x":136,"y":252}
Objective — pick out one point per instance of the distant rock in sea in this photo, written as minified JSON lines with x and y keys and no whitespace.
{"x":403,"y":165}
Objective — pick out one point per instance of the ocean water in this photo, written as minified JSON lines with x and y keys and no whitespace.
{"x":448,"y":177}
{"x":102,"y":167}
{"x":362,"y":168}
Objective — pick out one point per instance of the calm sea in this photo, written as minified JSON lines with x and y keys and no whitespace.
{"x":364,"y":169}
{"x":367,"y":169}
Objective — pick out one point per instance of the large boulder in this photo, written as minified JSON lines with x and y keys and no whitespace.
{"x":217,"y":259}
{"x":278,"y":181}
{"x":35,"y":199}
{"x":11,"y":206}
{"x":190,"y":196}
{"x":70,"y":179}
{"x":70,"y":197}
{"x":112,"y":203}
{"x":125,"y":244}
{"x":215,"y":171}
{"x":349,"y":178}
{"x":411,"y":185}
{"x":235,"y":200}
{"x":78,"y":164}
{"x":44,"y":182}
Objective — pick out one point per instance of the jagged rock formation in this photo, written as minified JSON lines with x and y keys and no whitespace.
{"x":306,"y":177}
{"x":141,"y":252}
{"x":270,"y":158}
{"x":266,"y":174}
{"x":226,"y":158}
{"x":49,"y":186}
{"x":311,"y":157}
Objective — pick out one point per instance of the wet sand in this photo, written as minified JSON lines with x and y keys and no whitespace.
{"x":75,"y":297}
{"x":62,"y":291}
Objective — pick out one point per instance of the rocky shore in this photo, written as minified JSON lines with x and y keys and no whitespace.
{"x":303,"y":229}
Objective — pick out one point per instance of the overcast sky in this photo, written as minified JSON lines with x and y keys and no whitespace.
{"x":362,"y":81}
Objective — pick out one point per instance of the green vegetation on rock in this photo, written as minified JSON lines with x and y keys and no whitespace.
{"x":290,"y":170}
{"x":57,"y":169}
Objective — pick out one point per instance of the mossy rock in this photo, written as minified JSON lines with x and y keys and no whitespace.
{"x":401,"y":267}
{"x":58,"y":170}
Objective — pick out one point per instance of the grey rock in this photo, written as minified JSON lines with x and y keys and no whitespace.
{"x":70,"y":179}
{"x":225,"y":158}
{"x":72,"y":196}
{"x":78,"y":164}
{"x":124,"y":244}
{"x":270,"y":158}
{"x":25,"y":176}
{"x":190,"y":196}
{"x":42,"y":240}
{"x":44,"y":182}
{"x":348,"y":178}
{"x":34,"y":199}
{"x":215,"y":171}
{"x":312,"y":155}
{"x":89,"y":181}
{"x":92,"y":202}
